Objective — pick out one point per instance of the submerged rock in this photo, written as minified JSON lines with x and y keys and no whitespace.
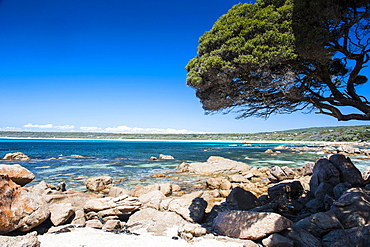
{"x":16,"y":156}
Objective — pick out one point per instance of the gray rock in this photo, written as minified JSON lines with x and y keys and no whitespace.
{"x":356,"y":237}
{"x":99,"y":183}
{"x":339,"y":189}
{"x":353,"y":207}
{"x":241,"y":199}
{"x":287,"y":189}
{"x":302,"y":238}
{"x":348,"y":171}
{"x":315,"y":205}
{"x":322,"y":190}
{"x":320,"y":223}
{"x":324,"y":172}
{"x":249,"y":225}
{"x":277,"y":240}
{"x":29,"y":240}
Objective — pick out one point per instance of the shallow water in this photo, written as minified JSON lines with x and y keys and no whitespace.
{"x":53,"y":160}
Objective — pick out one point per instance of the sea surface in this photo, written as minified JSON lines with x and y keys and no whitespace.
{"x":128,"y":162}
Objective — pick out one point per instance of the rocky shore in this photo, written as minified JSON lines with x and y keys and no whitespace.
{"x":325,"y":203}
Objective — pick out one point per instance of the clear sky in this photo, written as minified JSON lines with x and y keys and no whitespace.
{"x":115,"y":66}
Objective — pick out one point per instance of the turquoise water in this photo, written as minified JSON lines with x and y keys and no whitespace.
{"x":53,"y":160}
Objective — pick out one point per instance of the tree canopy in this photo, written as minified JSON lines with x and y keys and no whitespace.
{"x":282,"y":56}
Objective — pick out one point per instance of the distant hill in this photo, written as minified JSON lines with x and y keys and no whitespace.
{"x":340,"y":133}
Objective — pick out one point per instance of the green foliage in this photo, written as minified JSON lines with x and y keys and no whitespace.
{"x":282,"y":56}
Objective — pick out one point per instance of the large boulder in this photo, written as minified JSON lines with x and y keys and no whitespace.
{"x":249,"y":225}
{"x":20,"y":208}
{"x":324,"y":172}
{"x":18,"y":156}
{"x":28,"y":240}
{"x":218,"y":165}
{"x":17,"y":173}
{"x":353,"y":207}
{"x":99,"y":183}
{"x":356,"y":237}
{"x":348,"y":171}
{"x":320,"y":223}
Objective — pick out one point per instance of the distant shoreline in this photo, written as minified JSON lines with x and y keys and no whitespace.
{"x":175,"y":140}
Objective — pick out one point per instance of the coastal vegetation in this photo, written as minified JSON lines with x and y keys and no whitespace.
{"x":277,"y":57}
{"x":329,"y":134}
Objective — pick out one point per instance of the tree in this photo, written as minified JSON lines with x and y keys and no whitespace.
{"x":283,"y":56}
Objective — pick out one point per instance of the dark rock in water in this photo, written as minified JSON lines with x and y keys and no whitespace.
{"x":289,"y":190}
{"x":348,"y":172}
{"x":241,"y":199}
{"x":301,"y":237}
{"x":29,"y":240}
{"x":249,"y":225}
{"x":356,"y":237}
{"x":324,"y":172}
{"x":320,"y":223}
{"x":353,"y":208}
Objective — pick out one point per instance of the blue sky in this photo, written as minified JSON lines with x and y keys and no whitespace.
{"x":113,"y":66}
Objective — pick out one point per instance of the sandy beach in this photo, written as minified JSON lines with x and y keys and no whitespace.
{"x":89,"y":237}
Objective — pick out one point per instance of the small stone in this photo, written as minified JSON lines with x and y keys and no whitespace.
{"x":94,"y":224}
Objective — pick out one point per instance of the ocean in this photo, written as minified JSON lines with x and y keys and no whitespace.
{"x":128,"y":162}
